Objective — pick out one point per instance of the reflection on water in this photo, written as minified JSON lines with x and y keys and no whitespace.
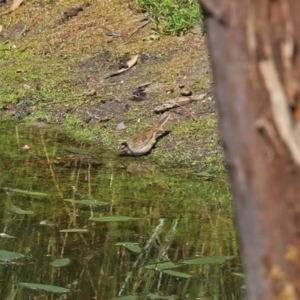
{"x":179,"y":216}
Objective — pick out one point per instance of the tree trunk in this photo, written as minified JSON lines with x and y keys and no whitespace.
{"x":255,"y":54}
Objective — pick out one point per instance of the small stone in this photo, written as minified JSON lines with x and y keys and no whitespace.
{"x":121,"y":126}
{"x":185,"y":92}
{"x":91,"y":92}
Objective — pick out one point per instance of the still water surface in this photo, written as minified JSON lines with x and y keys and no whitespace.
{"x":177,"y":215}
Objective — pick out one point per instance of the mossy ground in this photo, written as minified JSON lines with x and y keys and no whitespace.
{"x":48,"y":74}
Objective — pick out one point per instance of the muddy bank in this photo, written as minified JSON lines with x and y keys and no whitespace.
{"x":58,"y":71}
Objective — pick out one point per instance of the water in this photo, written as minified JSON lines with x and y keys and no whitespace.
{"x":178,"y":215}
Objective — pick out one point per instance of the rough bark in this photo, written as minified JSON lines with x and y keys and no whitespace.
{"x":254,"y":47}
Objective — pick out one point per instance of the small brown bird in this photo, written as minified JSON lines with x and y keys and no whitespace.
{"x":142,"y":143}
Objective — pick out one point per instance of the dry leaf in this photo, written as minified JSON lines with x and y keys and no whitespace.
{"x":26,"y":147}
{"x":15,"y":5}
{"x":130,"y":63}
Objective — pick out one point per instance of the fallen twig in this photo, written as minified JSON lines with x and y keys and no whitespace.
{"x":178,"y":102}
{"x":112,"y":33}
{"x":136,"y":30}
{"x":190,"y":114}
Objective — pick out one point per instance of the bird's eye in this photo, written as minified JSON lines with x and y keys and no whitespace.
{"x":123,"y":146}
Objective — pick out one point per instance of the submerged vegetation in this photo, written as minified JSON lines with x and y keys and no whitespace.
{"x":76,"y":220}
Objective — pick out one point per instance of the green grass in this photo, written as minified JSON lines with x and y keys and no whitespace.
{"x":172,"y":16}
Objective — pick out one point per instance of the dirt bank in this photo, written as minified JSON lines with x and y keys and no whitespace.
{"x":58,"y":71}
